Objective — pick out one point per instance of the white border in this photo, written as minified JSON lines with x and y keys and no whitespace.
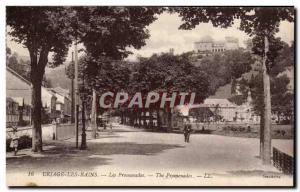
{"x":4,"y":3}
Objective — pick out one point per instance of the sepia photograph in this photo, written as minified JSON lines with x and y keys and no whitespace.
{"x":150,"y":96}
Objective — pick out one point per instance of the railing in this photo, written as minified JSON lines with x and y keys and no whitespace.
{"x":60,"y":131}
{"x":283,"y":161}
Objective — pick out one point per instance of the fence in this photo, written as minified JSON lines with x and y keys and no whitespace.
{"x":62,"y":131}
{"x":283,"y":162}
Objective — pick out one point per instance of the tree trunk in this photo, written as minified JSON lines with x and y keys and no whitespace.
{"x":131,"y":117}
{"x":170,"y":121}
{"x":140,"y":119}
{"x":261,"y":135}
{"x":267,"y":110}
{"x":122,"y":117}
{"x":36,"y":76}
{"x":83,"y":134}
{"x":36,"y":103}
{"x":21,"y":109}
{"x":150,"y":119}
{"x":158,"y":119}
{"x":94,"y":115}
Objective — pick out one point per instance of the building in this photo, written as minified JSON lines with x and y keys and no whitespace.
{"x":222,"y":110}
{"x":231,"y":43}
{"x":63,"y":103}
{"x":18,"y":92}
{"x":208,"y":45}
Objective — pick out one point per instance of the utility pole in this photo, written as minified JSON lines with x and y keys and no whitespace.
{"x":72,"y":91}
{"x":94,"y":115}
{"x":83,"y":134}
{"x":76,"y":95}
{"x":267,"y":108}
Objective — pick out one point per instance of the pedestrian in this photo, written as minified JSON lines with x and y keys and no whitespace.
{"x":189,"y":130}
{"x":185,"y":133}
{"x":14,"y":140}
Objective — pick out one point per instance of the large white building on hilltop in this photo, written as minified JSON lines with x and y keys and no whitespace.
{"x":208,"y":45}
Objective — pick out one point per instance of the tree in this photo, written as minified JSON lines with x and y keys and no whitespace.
{"x":41,"y":30}
{"x":70,"y":72}
{"x":105,"y":31}
{"x":241,"y":98}
{"x":262,"y":22}
{"x":201,"y":114}
{"x":233,"y":86}
{"x":282,"y":99}
{"x":19,"y":65}
{"x":225,"y":68}
{"x":111,"y":30}
{"x":168,"y":73}
{"x":47,"y":82}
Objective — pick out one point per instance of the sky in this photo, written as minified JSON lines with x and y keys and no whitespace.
{"x":164,"y":35}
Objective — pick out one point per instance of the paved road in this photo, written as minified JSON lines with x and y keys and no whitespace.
{"x":130,"y":150}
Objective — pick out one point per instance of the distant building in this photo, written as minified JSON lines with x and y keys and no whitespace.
{"x":231,"y":43}
{"x":225,"y":110}
{"x":208,"y":45}
{"x":18,"y":92}
{"x":63,"y":103}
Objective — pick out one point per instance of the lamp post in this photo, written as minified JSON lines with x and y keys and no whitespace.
{"x":83,"y":134}
{"x":76,"y":94}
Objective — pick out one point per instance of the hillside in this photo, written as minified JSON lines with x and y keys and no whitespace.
{"x":58,"y":77}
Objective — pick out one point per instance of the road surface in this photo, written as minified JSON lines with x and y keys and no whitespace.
{"x":120,"y":157}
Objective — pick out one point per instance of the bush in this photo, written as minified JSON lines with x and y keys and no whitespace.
{"x":24,"y":142}
{"x":23,"y":123}
{"x":8,"y":149}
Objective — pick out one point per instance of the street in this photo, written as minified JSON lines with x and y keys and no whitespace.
{"x":128,"y":150}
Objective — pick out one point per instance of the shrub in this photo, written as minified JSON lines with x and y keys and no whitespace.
{"x":23,"y":123}
{"x":8,"y":149}
{"x":24,"y":142}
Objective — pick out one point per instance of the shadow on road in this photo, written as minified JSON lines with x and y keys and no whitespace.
{"x":129,"y":148}
{"x":60,"y":155}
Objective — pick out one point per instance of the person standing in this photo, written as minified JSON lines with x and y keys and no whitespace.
{"x":15,"y":140}
{"x":189,"y":130}
{"x":185,"y":133}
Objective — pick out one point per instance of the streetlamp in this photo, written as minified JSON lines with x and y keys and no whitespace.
{"x":83,"y":134}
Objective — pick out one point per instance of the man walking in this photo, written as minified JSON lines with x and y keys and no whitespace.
{"x":187,"y":132}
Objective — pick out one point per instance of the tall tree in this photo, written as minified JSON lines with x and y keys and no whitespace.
{"x":111,"y":30}
{"x":105,"y":31}
{"x":168,"y":73}
{"x":41,"y":30}
{"x":254,"y":21}
{"x":222,"y":68}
